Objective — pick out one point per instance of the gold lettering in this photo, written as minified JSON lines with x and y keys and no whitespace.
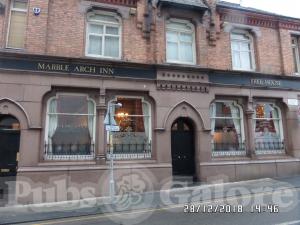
{"x":41,"y":66}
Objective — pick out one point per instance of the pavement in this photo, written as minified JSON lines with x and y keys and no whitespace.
{"x":242,"y":199}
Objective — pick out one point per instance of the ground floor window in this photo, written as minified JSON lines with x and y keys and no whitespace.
{"x":134,"y":119}
{"x":268,"y":129}
{"x":70,"y":127}
{"x":227,"y":128}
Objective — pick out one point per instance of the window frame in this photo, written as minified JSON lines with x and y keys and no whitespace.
{"x":179,"y":31}
{"x":104,"y":24}
{"x":70,"y":157}
{"x":9,"y":23}
{"x":297,"y":49}
{"x":281,"y":132}
{"x":251,"y":51}
{"x":241,"y":118}
{"x":132,"y":156}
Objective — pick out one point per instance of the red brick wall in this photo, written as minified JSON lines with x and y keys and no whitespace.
{"x":60,"y":30}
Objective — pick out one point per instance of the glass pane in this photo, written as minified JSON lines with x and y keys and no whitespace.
{"x":245,"y":60}
{"x":9,"y":122}
{"x":266,"y":110}
{"x":296,"y":58}
{"x":245,"y":46}
{"x":111,"y":46}
{"x":16,"y":37}
{"x":134,"y":127}
{"x":72,"y":104}
{"x":236,"y":63}
{"x":235,"y":45}
{"x":104,"y":18}
{"x":172,"y":51}
{"x":267,"y":131}
{"x":179,"y":26}
{"x":20,"y":4}
{"x":71,"y":135}
{"x":186,"y":37}
{"x":186,"y":52}
{"x":227,"y":109}
{"x":172,"y":36}
{"x":96,"y":29}
{"x":239,"y":36}
{"x":112,"y":30}
{"x":95,"y":45}
{"x":227,"y":135}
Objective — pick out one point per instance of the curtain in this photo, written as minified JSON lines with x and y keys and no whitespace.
{"x":146,"y":118}
{"x":53,"y":122}
{"x":213,"y":120}
{"x":276,"y":122}
{"x":111,"y":46}
{"x":91,"y":118}
{"x":236,"y":119}
{"x":112,"y":116}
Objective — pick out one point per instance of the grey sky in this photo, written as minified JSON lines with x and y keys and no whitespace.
{"x":283,"y":7}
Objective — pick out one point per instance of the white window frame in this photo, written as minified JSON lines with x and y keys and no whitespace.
{"x":251,"y":50}
{"x":241,"y":118}
{"x":133,"y":156}
{"x":179,"y":31}
{"x":70,"y":157}
{"x":295,"y":47}
{"x":262,"y":152}
{"x":104,"y":24}
{"x":9,"y":21}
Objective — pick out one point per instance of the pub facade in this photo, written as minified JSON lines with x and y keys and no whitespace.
{"x":203,"y":89}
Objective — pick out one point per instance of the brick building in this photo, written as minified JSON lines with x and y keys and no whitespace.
{"x":208,"y":90}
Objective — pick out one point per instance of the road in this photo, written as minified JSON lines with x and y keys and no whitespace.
{"x":288,"y":213}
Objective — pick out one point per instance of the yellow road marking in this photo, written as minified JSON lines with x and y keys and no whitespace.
{"x":59,"y":221}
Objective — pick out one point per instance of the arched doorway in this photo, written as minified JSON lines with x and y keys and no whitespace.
{"x":183,"y":147}
{"x":9,"y":145}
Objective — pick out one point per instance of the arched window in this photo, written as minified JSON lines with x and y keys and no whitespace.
{"x":242,"y":50}
{"x":103,"y":35}
{"x":180,"y":42}
{"x":70,"y":127}
{"x":134,"y":138}
{"x":227,"y":128}
{"x":268,"y":129}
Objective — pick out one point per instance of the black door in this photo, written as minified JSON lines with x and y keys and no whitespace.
{"x":9,"y":148}
{"x":182,"y":140}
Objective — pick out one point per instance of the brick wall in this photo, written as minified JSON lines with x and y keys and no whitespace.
{"x":60,"y":30}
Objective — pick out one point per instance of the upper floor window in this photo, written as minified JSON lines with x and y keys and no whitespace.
{"x":103,"y":35}
{"x":70,"y":127}
{"x":227,"y":128}
{"x":295,"y":48}
{"x":180,"y":42}
{"x":17,"y":24}
{"x":242,"y":51}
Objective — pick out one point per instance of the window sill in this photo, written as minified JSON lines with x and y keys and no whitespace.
{"x":181,"y":63}
{"x":103,"y":57}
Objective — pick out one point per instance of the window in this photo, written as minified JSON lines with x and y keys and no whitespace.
{"x":268,"y":129}
{"x":227,"y":129}
{"x":242,"y":51}
{"x":295,"y":48}
{"x":17,"y":24}
{"x":180,"y":42}
{"x":103,"y":36}
{"x":134,"y":119}
{"x":70,"y":127}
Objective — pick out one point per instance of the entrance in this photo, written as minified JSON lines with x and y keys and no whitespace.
{"x":183,"y":147}
{"x":9,"y":149}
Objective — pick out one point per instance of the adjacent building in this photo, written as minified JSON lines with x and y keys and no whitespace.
{"x":208,"y":89}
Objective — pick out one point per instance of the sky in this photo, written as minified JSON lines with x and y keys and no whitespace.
{"x":283,"y":7}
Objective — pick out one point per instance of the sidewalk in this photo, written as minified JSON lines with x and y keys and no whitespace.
{"x":164,"y":198}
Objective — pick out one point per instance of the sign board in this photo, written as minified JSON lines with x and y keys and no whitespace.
{"x":293,"y":102}
{"x":112,"y":128}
